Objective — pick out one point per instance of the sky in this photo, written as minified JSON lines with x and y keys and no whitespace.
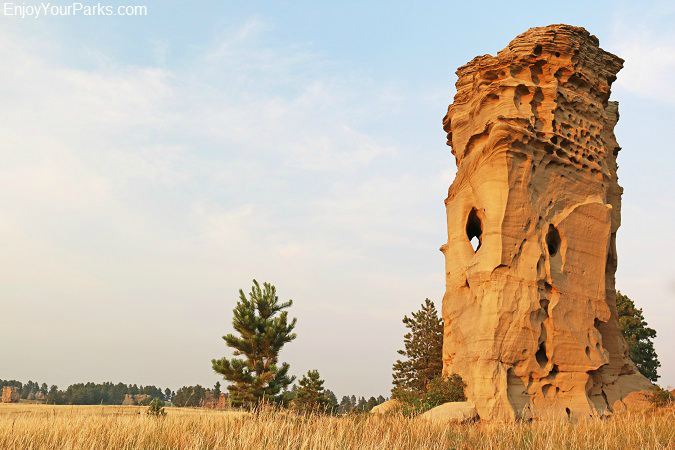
{"x":152,"y":166}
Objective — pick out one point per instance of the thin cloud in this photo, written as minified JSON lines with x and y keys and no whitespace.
{"x":134,"y":191}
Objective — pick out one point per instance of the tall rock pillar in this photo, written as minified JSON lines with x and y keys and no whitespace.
{"x":530,"y":314}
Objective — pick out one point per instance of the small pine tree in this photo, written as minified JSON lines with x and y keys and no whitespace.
{"x":311,"y":395}
{"x":423,"y":350}
{"x":263,"y":329}
{"x":156,"y":408}
{"x":638,"y":336}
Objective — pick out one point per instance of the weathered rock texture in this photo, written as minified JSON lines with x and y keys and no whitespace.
{"x":530,"y":316}
{"x":10,"y":394}
{"x":457,"y":412}
{"x":138,"y":399}
{"x":213,"y":402}
{"x":388,"y":407}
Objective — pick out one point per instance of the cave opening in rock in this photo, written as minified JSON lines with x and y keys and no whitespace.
{"x":541,"y":357}
{"x":553,"y":240}
{"x":474,"y":229}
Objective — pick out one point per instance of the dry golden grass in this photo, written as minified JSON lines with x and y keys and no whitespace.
{"x":115,"y":427}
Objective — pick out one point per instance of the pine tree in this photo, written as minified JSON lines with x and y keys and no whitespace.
{"x":263,"y":330}
{"x":189,"y":396}
{"x":638,"y":336}
{"x":345,"y":405}
{"x":331,"y":400}
{"x":361,"y":405}
{"x":423,"y":352}
{"x":290,"y":395}
{"x":311,"y":395}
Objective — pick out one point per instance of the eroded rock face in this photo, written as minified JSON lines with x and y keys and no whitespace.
{"x":10,"y":394}
{"x":530,"y":316}
{"x":138,"y":399}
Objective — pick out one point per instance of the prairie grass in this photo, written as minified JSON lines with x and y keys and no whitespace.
{"x":127,"y":427}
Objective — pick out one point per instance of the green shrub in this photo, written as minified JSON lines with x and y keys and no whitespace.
{"x":660,"y":397}
{"x":438,"y":391}
{"x":156,"y":408}
{"x":443,"y":390}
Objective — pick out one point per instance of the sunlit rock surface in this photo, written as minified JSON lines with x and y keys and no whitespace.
{"x":530,"y":316}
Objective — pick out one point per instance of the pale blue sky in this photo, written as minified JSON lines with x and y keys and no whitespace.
{"x":152,"y":166}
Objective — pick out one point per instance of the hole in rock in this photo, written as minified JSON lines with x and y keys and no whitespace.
{"x":588,"y":352}
{"x":557,"y":54}
{"x":552,"y":240}
{"x":537,"y":50}
{"x":545,"y":388}
{"x":541,"y":357}
{"x":474,"y":229}
{"x":569,"y":413}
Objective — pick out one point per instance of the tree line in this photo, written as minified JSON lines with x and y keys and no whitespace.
{"x":85,"y":393}
{"x":256,"y":376}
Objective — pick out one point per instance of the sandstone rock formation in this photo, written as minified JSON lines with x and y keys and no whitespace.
{"x":635,"y":401}
{"x":530,"y":316}
{"x":452,"y":412}
{"x":138,"y":399}
{"x":10,"y":394}
{"x":213,"y":402}
{"x":388,"y":407}
{"x":222,"y":401}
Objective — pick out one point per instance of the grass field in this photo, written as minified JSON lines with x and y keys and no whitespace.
{"x":126,"y":427}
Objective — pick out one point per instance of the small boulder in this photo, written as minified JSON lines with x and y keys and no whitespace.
{"x":457,"y":412}
{"x":387,"y":407}
{"x":635,"y":401}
